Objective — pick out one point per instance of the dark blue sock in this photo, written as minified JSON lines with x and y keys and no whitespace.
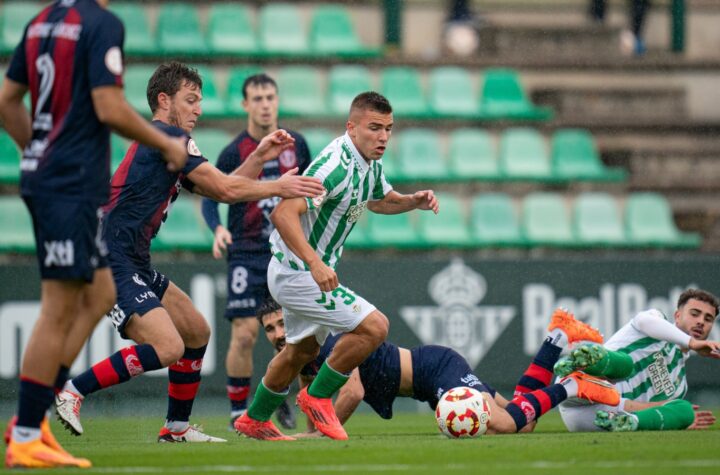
{"x":35,"y":399}
{"x":118,"y":368}
{"x":184,"y":377}
{"x":238,"y":390}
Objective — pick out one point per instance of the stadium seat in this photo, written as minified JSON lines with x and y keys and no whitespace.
{"x":230,"y":30}
{"x":649,"y":221}
{"x":403,"y":88}
{"x":15,"y":16}
{"x":344,"y":83}
{"x":15,"y":221}
{"x":211,"y":142}
{"x":184,"y":228}
{"x":545,"y":220}
{"x":420,"y":156}
{"x":136,"y":80}
{"x":10,"y":157}
{"x":393,"y":230}
{"x":178,"y":30}
{"x":138,"y":37}
{"x":494,"y":221}
{"x":452,"y":93}
{"x":317,"y":139}
{"x":524,"y":155}
{"x":118,"y":148}
{"x":213,"y":104}
{"x":282,"y":30}
{"x":472,"y":155}
{"x":235,"y":82}
{"x":575,"y":157}
{"x":503,"y":97}
{"x":597,"y":221}
{"x":448,"y":228}
{"x":301,"y":90}
{"x":332,"y":32}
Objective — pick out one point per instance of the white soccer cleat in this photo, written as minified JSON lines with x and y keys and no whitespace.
{"x":191,"y":434}
{"x":67,"y":406}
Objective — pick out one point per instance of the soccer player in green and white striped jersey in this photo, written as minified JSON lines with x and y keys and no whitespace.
{"x":306,"y":245}
{"x":645,"y":360}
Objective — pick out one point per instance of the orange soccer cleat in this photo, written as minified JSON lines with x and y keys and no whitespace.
{"x":322,"y":414}
{"x":35,"y":454}
{"x":574,"y":329}
{"x":594,"y":389}
{"x":262,"y":430}
{"x":47,"y":436}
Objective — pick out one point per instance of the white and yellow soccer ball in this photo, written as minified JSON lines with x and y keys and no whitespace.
{"x":462,"y":412}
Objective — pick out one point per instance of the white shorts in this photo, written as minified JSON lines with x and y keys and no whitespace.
{"x":309,"y":311}
{"x":579,"y":415}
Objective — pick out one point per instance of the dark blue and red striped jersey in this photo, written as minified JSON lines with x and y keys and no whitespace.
{"x":249,"y":222}
{"x":141,"y":194}
{"x":67,"y":50}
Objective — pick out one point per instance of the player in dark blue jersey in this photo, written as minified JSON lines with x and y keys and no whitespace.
{"x":150,"y":309}
{"x":426,"y":372}
{"x":246,"y":237}
{"x":70,"y":59}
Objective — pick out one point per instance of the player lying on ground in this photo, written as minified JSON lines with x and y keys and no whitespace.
{"x":645,"y":360}
{"x":151,"y":310}
{"x":424,"y":373}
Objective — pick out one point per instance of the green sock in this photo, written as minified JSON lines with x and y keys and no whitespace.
{"x":264,"y":403}
{"x":674,"y":415}
{"x":615,"y":365}
{"x":327,"y":382}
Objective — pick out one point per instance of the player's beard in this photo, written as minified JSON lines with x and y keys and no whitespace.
{"x":280,"y":344}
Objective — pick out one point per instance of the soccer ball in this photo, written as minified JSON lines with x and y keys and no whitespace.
{"x":462,"y":412}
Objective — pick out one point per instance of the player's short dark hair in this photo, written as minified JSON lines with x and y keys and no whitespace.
{"x":169,"y":78}
{"x":372,"y":101}
{"x":261,"y":79}
{"x":266,"y":308}
{"x":701,"y":295}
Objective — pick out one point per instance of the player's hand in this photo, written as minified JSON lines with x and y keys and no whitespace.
{"x":292,"y":185}
{"x":273,"y":145}
{"x":325,"y":277}
{"x":221,"y":241}
{"x":703,"y":419}
{"x":175,"y":153}
{"x":426,"y":200}
{"x":710,"y":349}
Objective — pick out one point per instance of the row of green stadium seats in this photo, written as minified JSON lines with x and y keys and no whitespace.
{"x":595,"y":221}
{"x":230,"y":30}
{"x":419,"y":155}
{"x":451,"y":92}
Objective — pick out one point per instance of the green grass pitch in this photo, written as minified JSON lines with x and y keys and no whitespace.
{"x":410,"y":443}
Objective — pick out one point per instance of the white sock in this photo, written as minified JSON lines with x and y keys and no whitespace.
{"x":177,"y":426}
{"x":558,"y":338}
{"x":69,"y":386}
{"x":25,"y":434}
{"x":238,"y":413}
{"x":571,"y":386}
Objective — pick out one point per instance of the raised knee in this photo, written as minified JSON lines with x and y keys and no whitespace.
{"x":170,"y":351}
{"x":380,"y":328}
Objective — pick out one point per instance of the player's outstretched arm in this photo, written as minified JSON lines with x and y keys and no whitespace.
{"x":113,"y":110}
{"x":270,"y":147}
{"x":286,"y":219}
{"x":709,"y":349}
{"x":14,"y":115}
{"x":396,"y":203}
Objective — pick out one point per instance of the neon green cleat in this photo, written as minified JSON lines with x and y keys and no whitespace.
{"x":579,"y":359}
{"x":616,"y":421}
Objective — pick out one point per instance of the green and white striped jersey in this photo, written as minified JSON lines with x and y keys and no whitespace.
{"x":659,"y":372}
{"x":350,"y":182}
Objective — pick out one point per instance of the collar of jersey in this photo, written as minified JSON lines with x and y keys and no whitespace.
{"x":364,"y":166}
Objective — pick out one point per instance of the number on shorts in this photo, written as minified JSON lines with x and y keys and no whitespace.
{"x":116,"y":316}
{"x":239,"y":281}
{"x":343,"y":293}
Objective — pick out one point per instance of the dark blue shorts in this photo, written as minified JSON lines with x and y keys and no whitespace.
{"x":68,"y":237}
{"x":437,"y":369}
{"x":138,"y":291}
{"x":246,"y":284}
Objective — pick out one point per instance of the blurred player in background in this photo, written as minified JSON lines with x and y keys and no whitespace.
{"x":426,"y":372}
{"x":70,"y":59}
{"x":150,"y":309}
{"x":646,"y":361}
{"x":246,"y":238}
